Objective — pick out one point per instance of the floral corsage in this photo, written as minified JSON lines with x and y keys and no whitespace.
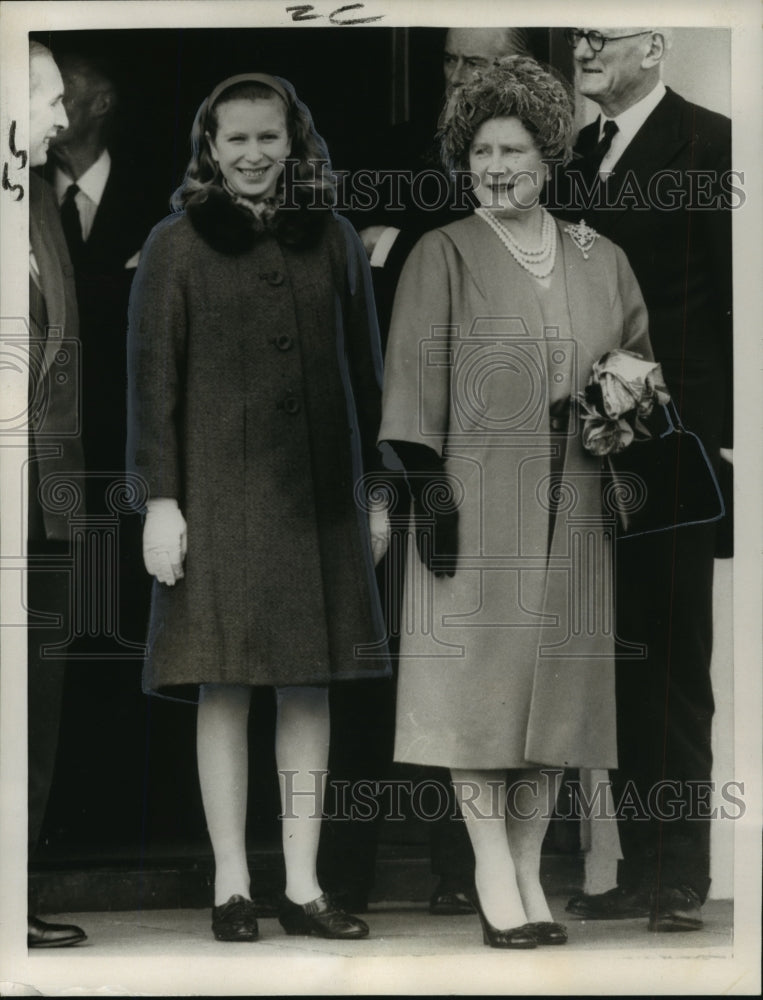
{"x":622,"y":391}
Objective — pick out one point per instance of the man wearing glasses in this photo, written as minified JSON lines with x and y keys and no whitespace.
{"x":641,"y":160}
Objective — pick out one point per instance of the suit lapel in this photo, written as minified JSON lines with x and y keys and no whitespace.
{"x":105,"y":223}
{"x":42,"y":237}
{"x":587,"y":139}
{"x":582,"y":154}
{"x":653,"y":148}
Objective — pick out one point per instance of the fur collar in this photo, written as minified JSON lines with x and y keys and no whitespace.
{"x":231,"y":228}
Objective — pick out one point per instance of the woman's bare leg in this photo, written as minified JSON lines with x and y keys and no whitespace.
{"x":223,"y":757}
{"x":302,"y":751}
{"x":481,"y":796}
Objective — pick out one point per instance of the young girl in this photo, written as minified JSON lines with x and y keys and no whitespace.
{"x":254,"y":393}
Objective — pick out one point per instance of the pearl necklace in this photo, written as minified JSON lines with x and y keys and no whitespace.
{"x":539,"y":263}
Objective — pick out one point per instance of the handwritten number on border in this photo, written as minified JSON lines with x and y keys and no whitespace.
{"x":20,"y":154}
{"x":303,"y":12}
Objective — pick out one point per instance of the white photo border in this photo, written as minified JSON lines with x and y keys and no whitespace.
{"x":660,"y":969}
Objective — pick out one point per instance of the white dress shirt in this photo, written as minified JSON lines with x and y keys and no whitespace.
{"x":628,"y":123}
{"x":91,"y":186}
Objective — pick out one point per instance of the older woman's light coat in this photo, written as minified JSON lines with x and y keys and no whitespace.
{"x":510,"y":662}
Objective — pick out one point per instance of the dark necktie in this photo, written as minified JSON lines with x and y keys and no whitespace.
{"x":602,"y":146}
{"x":70,"y":222}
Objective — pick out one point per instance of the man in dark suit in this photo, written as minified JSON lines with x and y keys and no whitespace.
{"x":106,"y":215}
{"x":55,"y":462}
{"x":652,"y":174}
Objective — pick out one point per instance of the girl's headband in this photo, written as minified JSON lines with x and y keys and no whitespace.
{"x":269,"y":81}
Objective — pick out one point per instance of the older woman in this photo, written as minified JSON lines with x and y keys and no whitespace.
{"x":254,"y":396}
{"x":506,"y":669}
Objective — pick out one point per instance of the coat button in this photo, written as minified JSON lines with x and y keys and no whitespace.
{"x":272,"y":277}
{"x":291,"y":404}
{"x":556,"y":424}
{"x":283,"y":342}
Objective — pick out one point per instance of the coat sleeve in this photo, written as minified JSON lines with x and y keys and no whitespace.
{"x":716,"y":232}
{"x":635,"y":332}
{"x":156,"y":343}
{"x":362,"y":345}
{"x":416,"y":398}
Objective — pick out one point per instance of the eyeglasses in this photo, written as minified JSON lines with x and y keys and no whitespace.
{"x":595,"y":39}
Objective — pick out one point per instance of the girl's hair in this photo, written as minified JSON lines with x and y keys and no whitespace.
{"x":309,"y":166}
{"x":514,"y":87}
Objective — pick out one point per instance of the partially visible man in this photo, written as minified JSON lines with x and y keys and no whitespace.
{"x":470,"y":50}
{"x":106,"y":214}
{"x":410,"y":146}
{"x":54,"y":451}
{"x":652,"y":174}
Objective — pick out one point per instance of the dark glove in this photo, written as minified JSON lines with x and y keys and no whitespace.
{"x":435,"y":509}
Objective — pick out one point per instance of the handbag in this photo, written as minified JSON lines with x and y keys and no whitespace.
{"x":661,"y":482}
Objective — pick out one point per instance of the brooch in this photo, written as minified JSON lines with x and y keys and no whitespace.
{"x":582,"y":236}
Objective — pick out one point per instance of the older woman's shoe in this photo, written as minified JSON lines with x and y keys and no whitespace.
{"x":235,"y":920}
{"x":322,"y":918}
{"x":548,"y":932}
{"x":513,"y":937}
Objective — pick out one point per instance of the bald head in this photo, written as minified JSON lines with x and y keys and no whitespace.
{"x":47,"y":116}
{"x":623,"y":70}
{"x":469,"y":50}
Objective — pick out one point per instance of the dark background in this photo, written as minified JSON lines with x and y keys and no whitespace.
{"x":344,"y":75}
{"x":126,"y":789}
{"x":356,"y":82}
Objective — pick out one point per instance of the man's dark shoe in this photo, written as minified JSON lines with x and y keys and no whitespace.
{"x":40,"y":934}
{"x":675,"y":909}
{"x":615,"y":904}
{"x":450,"y":900}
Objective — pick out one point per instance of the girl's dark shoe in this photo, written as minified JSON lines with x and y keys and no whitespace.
{"x":547,"y":932}
{"x":235,"y":920}
{"x":514,"y":937}
{"x":320,"y":917}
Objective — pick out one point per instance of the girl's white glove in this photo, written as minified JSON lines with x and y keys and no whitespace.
{"x":164,"y":540}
